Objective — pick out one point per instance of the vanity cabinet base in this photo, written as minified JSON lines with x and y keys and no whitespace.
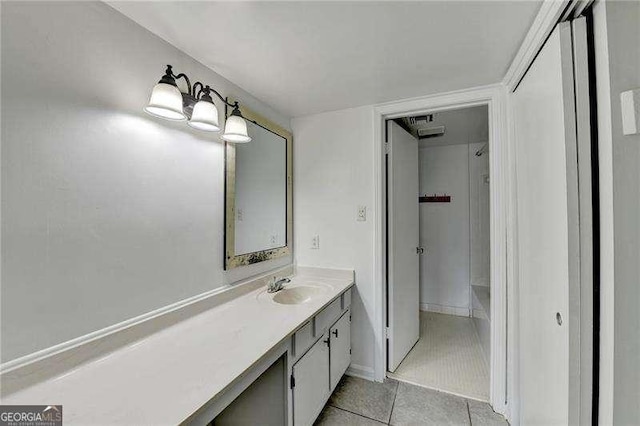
{"x":316,"y":373}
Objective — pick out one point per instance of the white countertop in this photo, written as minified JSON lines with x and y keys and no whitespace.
{"x":166,"y":377}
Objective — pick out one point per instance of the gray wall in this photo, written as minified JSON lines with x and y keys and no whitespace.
{"x":107,"y":212}
{"x":617,"y":31}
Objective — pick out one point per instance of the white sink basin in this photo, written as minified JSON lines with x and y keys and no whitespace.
{"x":297,"y":295}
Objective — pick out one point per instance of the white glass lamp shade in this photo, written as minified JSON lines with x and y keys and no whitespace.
{"x":235,"y":130}
{"x":166,"y":102}
{"x":204,"y":117}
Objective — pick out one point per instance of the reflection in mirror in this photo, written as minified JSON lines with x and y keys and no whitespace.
{"x":261,"y":192}
{"x":258,"y":194}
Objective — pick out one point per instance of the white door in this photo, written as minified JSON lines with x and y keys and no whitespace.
{"x":403,"y":226}
{"x":311,"y":386}
{"x":340,"y":348}
{"x":544,"y":110}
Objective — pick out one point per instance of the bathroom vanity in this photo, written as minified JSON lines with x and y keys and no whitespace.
{"x":224,"y":353}
{"x":295,"y":380}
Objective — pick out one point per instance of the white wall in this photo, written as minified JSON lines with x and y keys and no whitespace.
{"x":617,"y":31}
{"x":107,"y":213}
{"x":333,"y":175}
{"x":455,"y":235}
{"x":444,"y":227}
{"x":479,"y":210}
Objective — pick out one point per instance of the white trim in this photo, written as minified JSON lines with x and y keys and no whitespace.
{"x":443,"y":309}
{"x":546,"y":19}
{"x":606,"y":184}
{"x":360,"y":371}
{"x":77,"y":343}
{"x":494,"y":97}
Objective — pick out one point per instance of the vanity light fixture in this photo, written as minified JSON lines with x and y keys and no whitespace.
{"x":196,"y":106}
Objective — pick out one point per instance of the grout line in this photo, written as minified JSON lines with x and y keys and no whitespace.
{"x":357,"y":414}
{"x":393,"y":404}
{"x":468,"y":412}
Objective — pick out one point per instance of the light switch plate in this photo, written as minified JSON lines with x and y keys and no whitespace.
{"x":630,"y":108}
{"x":315,"y":242}
{"x":362,"y":214}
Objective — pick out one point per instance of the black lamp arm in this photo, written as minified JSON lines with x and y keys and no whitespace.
{"x":182,"y":75}
{"x":235,"y":104}
{"x":198,"y":88}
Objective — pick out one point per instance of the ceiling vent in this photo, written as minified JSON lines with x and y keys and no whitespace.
{"x":420,"y":119}
{"x":430,"y":132}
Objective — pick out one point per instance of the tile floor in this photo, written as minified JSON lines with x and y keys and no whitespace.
{"x":360,"y":402}
{"x":448,"y":357}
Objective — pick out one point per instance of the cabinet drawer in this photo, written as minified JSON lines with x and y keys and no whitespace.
{"x":327,"y":316}
{"x":302,"y":339}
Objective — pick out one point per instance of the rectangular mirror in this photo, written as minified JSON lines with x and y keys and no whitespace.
{"x":258,"y":194}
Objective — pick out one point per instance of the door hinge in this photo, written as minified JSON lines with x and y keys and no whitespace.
{"x":387,"y":148}
{"x":386,"y":332}
{"x":349,"y":317}
{"x":292,"y":382}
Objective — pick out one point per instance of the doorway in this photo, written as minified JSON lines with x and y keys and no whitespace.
{"x":501,"y":349}
{"x":439,"y":294}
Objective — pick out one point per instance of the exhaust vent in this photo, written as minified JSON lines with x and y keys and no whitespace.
{"x":419,"y":119}
{"x":430,"y":132}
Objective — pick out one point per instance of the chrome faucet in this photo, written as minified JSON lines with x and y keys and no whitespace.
{"x":276,"y":284}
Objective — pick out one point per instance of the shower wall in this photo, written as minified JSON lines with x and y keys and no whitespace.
{"x":455,"y":235}
{"x":479,"y":215}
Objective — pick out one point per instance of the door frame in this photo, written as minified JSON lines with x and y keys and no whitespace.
{"x":501,"y":232}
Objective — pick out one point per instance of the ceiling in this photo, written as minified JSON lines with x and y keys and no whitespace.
{"x":462,"y":126}
{"x":312,"y":56}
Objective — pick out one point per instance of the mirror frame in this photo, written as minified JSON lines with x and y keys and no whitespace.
{"x":231,"y":259}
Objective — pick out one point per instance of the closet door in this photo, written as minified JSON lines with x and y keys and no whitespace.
{"x":548,"y":217}
{"x":403,"y":297}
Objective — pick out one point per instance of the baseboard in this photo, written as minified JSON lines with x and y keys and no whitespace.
{"x":443,"y":309}
{"x":360,"y":371}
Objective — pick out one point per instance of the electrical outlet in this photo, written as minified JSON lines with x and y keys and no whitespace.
{"x":362,"y":214}
{"x":315,"y":242}
{"x":274,"y":239}
{"x":239,"y":215}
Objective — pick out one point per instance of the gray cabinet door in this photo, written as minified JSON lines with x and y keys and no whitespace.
{"x":311,"y":387}
{"x":340,"y":335}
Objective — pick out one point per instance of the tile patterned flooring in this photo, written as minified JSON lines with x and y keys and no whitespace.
{"x":360,"y":402}
{"x":448,"y":357}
